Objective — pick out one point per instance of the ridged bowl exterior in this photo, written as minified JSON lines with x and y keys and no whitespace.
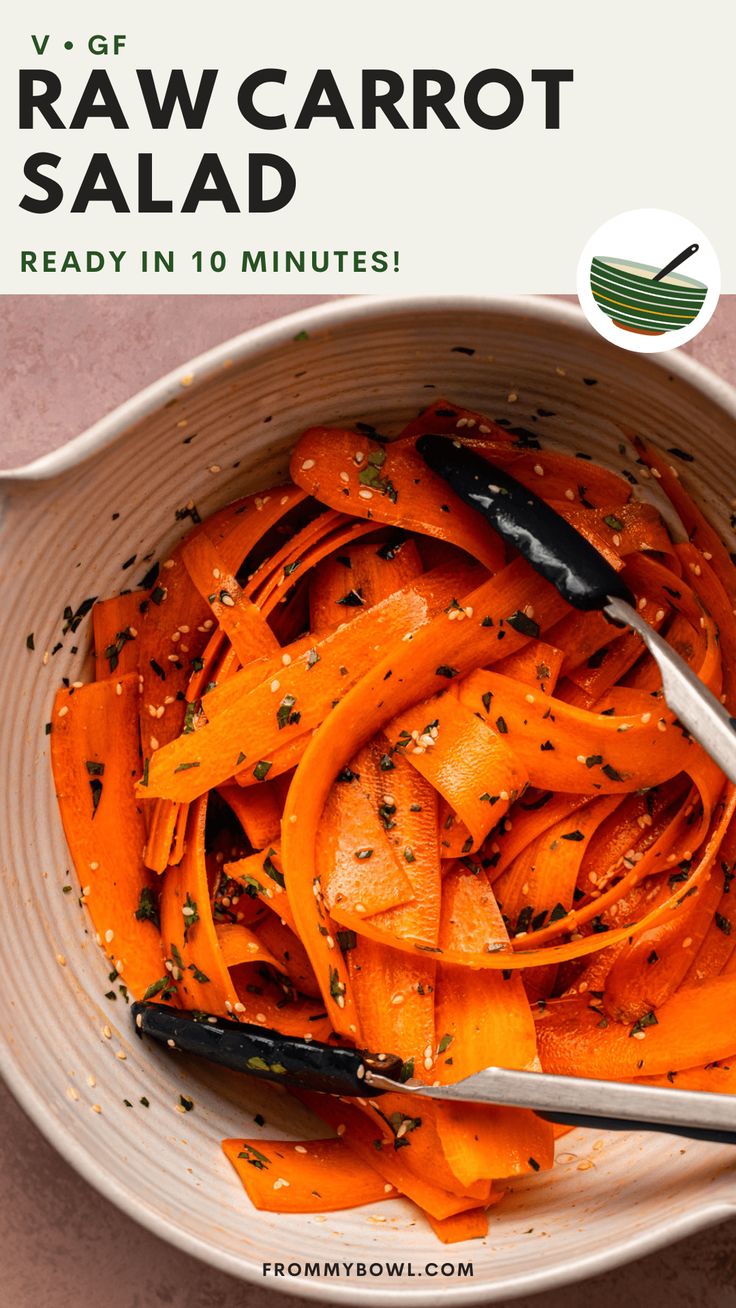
{"x":631,"y":297}
{"x":67,"y":524}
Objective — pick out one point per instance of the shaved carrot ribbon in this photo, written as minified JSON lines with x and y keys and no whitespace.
{"x":399,"y":793}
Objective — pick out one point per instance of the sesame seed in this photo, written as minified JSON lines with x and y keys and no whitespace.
{"x":239,"y":1008}
{"x":72,"y":1093}
{"x":638,"y":1035}
{"x":260,"y":1017}
{"x":118,"y":689}
{"x":275,"y":685}
{"x":214,"y":467}
{"x":307,"y":464}
{"x":63,"y":710}
{"x":61,"y":960}
{"x":299,"y":1149}
{"x":109,"y":935}
{"x":687,"y":942}
{"x":96,"y":1108}
{"x":529,"y":699}
{"x":227,"y":600}
{"x":341,"y":1129}
{"x":107,"y":1032}
{"x":662,"y":725}
{"x":569,"y":494}
{"x":344,"y":476}
{"x":646,"y":717}
{"x":286,"y":659}
{"x":616,"y":540}
{"x":581,"y":758}
{"x":539,"y":469}
{"x":121,"y":1054}
{"x":512,"y":397}
{"x":365,"y":494}
{"x":153,"y":743}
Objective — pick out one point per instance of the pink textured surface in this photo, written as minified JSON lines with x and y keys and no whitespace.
{"x":67,"y":361}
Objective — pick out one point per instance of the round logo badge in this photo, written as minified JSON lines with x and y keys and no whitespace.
{"x":648,"y":280}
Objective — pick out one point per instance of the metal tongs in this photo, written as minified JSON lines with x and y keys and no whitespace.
{"x":335,"y":1070}
{"x":583,"y":577}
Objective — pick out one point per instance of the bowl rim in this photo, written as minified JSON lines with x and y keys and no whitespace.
{"x":612,"y":262}
{"x":96,"y":439}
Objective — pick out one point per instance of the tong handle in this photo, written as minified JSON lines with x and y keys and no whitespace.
{"x":257,"y":1051}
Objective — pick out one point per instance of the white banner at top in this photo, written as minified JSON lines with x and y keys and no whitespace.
{"x":405,"y":146}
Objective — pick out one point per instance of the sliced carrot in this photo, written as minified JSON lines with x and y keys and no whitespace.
{"x":308,"y":1176}
{"x":390,"y":484}
{"x":691,"y":1028}
{"x":94,"y":754}
{"x":257,"y":809}
{"x":369,"y":1136}
{"x":466,"y":761}
{"x":115,"y":630}
{"x":483,"y":1019}
{"x":357,"y":577}
{"x":472,"y":1225}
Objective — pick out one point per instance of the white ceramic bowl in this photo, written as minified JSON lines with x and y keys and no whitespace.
{"x":61,"y":539}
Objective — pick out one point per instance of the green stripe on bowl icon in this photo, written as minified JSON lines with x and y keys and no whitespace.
{"x":628,"y":294}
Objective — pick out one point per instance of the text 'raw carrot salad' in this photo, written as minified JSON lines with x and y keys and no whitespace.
{"x":351,"y":771}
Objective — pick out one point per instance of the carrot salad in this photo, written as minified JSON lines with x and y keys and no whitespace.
{"x":352,"y":771}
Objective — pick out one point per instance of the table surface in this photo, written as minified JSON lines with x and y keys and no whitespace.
{"x":68,"y":360}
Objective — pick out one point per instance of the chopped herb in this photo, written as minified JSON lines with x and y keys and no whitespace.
{"x":407,"y":1071}
{"x":146,"y":1102}
{"x":363,"y":854}
{"x":29,"y":641}
{"x":198,"y":976}
{"x":283,"y":712}
{"x":156,"y":987}
{"x":73,"y":619}
{"x":95,"y":769}
{"x":501,"y":726}
{"x":534,"y":1164}
{"x":649,"y":1019}
{"x":347,"y":940}
{"x":723,"y":924}
{"x":611,"y":772}
{"x":190,"y":913}
{"x":593,"y":760}
{"x":444,"y":670}
{"x":312,"y":658}
{"x":486,"y":698}
{"x":95,"y":786}
{"x":573,"y":835}
{"x":184,"y":767}
{"x":522,"y":623}
{"x":186,"y":1103}
{"x":614,"y":523}
{"x":262,"y":769}
{"x":445,"y":1043}
{"x":240,"y":759}
{"x":387,"y":763}
{"x":409,"y":854}
{"x":147,"y":910}
{"x":269,"y":867}
{"x":353,"y":599}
